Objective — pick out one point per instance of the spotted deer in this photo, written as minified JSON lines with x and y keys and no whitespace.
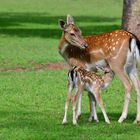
{"x":119,"y":49}
{"x":82,"y":79}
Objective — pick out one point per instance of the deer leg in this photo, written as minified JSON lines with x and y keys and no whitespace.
{"x":70,"y":88}
{"x":93,"y":113}
{"x":134,"y":78}
{"x":74,"y":103}
{"x":78,"y":114}
{"x":128,"y":86}
{"x":101,"y":105}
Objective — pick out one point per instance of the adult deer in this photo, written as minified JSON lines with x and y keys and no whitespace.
{"x":119,"y":49}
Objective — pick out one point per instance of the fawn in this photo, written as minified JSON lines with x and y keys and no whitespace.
{"x":82,"y":79}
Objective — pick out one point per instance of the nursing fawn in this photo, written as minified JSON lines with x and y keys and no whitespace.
{"x":82,"y":79}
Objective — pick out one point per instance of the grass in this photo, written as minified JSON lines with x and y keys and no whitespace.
{"x":32,"y":107}
{"x":19,"y":52}
{"x":29,"y":29}
{"x":32,"y":103}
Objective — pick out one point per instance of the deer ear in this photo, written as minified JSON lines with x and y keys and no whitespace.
{"x":62,"y":24}
{"x":70,"y":19}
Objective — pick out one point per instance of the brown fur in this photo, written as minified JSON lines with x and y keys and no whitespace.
{"x":104,"y":46}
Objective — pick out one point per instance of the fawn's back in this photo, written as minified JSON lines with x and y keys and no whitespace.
{"x":90,"y":80}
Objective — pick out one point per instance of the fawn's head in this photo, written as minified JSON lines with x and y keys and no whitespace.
{"x":72,"y":33}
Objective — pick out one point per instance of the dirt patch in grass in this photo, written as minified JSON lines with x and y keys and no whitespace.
{"x":8,"y":70}
{"x":57,"y":66}
{"x":38,"y":67}
{"x":51,"y":66}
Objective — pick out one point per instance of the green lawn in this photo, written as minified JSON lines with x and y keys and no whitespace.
{"x":32,"y":108}
{"x":29,"y":31}
{"x":32,"y":103}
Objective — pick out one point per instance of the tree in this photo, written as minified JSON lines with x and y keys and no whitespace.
{"x":131,"y":16}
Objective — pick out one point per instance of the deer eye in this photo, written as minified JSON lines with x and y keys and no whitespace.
{"x":76,"y":30}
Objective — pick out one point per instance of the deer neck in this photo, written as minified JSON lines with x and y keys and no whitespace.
{"x":70,"y":52}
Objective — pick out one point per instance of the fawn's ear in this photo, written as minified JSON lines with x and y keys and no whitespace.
{"x":99,"y":68}
{"x":62,"y":24}
{"x":103,"y":69}
{"x":70,"y":19}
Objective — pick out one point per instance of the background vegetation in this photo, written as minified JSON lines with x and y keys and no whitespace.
{"x":32,"y":103}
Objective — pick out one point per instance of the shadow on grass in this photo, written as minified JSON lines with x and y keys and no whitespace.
{"x":93,"y":129}
{"x":9,"y":19}
{"x":55,"y":33}
{"x":112,"y":116}
{"x":19,"y":19}
{"x":50,"y":125}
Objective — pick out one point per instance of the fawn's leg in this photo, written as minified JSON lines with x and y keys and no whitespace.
{"x":101,"y":105}
{"x":78,"y":114}
{"x":93,"y":113}
{"x":70,"y":88}
{"x":74,"y":102}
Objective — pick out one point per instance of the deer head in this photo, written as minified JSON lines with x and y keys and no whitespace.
{"x":72,"y":33}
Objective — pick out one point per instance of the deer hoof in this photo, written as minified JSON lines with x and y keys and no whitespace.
{"x":74,"y":122}
{"x":136,"y":122}
{"x":64,"y":122}
{"x":97,"y":121}
{"x":90,"y":119}
{"x":121,"y":119}
{"x":108,"y":122}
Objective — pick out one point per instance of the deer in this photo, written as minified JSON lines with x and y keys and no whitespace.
{"x":119,"y":49}
{"x":82,"y":79}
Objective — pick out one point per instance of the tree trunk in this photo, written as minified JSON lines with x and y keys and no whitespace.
{"x":131,"y":17}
